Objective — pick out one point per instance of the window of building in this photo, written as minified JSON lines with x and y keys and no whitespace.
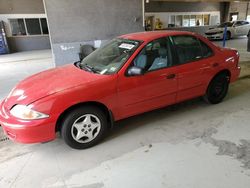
{"x":206,"y":19}
{"x":28,"y":26}
{"x":33,"y":26}
{"x":17,"y":27}
{"x":193,"y":20}
{"x":178,"y":22}
{"x":199,"y":20}
{"x":44,"y":26}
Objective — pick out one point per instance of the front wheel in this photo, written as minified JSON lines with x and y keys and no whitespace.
{"x":84,"y":127}
{"x":217,"y":89}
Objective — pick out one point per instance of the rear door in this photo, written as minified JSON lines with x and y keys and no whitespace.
{"x":246,"y":27}
{"x":195,"y":62}
{"x":241,"y":28}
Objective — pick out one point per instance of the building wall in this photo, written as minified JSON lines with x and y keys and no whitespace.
{"x":241,"y":8}
{"x":21,"y":7}
{"x":11,"y":9}
{"x":18,"y":44}
{"x":224,"y":11}
{"x":161,"y":6}
{"x":72,"y":23}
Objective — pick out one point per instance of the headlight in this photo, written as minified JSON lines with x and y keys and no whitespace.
{"x":220,"y":32}
{"x":26,"y":113}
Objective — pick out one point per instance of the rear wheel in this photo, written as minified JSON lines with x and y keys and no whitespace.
{"x":217,"y":89}
{"x":84,"y":127}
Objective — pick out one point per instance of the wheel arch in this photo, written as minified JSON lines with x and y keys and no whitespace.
{"x":224,"y":71}
{"x":99,"y":105}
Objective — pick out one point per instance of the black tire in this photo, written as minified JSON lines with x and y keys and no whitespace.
{"x":228,"y":36}
{"x":73,"y":116}
{"x":217,"y":89}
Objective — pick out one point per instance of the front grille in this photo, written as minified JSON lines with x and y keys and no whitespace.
{"x":211,"y":33}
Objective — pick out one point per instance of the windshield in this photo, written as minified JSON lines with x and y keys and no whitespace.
{"x":111,"y":57}
{"x":228,"y":24}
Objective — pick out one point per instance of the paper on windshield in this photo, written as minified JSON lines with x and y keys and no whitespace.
{"x":127,"y":46}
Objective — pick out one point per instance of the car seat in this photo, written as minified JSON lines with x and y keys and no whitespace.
{"x":141,"y":61}
{"x":160,"y":61}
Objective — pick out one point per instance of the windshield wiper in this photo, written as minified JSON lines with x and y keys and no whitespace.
{"x":88,"y":68}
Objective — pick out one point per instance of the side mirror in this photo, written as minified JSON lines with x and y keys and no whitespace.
{"x":135,"y":71}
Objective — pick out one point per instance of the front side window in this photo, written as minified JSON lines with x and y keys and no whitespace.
{"x":239,"y":23}
{"x":155,"y":55}
{"x":188,"y":48}
{"x":111,"y":57}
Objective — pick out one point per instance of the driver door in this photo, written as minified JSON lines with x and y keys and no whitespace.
{"x":154,"y":89}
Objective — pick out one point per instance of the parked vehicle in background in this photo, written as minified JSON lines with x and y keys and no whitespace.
{"x":132,"y":74}
{"x":234,"y":29}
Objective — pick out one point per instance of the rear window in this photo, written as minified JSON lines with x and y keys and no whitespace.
{"x":206,"y":50}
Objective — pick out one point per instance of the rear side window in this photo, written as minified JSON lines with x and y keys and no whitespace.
{"x":188,"y":48}
{"x":206,"y":50}
{"x":245,"y":23}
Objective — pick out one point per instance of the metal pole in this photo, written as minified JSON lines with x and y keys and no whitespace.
{"x":225,"y":36}
{"x":248,"y":41}
{"x":247,"y":10}
{"x":143,"y":13}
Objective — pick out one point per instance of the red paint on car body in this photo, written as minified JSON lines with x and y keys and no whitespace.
{"x":54,"y":91}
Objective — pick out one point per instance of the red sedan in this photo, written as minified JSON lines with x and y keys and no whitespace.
{"x":132,"y":74}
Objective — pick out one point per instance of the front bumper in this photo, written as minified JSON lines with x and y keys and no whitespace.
{"x":23,"y":131}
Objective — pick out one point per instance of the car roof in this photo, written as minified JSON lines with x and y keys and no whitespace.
{"x":151,"y":35}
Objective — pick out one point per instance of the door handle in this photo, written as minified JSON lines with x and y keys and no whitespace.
{"x":170,"y":76}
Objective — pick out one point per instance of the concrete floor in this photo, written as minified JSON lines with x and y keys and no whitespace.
{"x":184,"y":146}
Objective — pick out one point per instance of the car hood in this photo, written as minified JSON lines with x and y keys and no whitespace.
{"x":213,"y":30}
{"x":47,"y":83}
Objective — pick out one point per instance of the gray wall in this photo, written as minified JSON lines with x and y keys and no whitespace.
{"x":18,"y":44}
{"x":157,"y":6}
{"x":21,"y":7}
{"x":78,"y":22}
{"x":241,"y":8}
{"x":224,"y":11}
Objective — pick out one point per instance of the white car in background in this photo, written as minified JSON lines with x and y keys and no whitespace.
{"x":234,"y":29}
